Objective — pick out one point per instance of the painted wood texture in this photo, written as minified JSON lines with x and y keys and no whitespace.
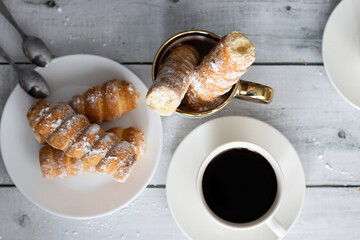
{"x":322,"y":127}
{"x":326,"y":215}
{"x":132,"y":31}
{"x":306,"y":109}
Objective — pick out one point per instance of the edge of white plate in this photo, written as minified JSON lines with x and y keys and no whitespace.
{"x":96,"y":215}
{"x":324,"y":59}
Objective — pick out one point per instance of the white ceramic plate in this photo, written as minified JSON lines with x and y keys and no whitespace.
{"x":89,"y":195}
{"x":181,"y":179}
{"x":341,"y":50}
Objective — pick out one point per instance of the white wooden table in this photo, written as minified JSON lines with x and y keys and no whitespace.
{"x":323,"y":128}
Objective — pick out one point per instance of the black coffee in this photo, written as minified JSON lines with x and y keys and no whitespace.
{"x":239,"y":185}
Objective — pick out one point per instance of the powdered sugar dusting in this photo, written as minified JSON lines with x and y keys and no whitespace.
{"x":41,"y":114}
{"x":100,"y":150}
{"x":57,"y":123}
{"x":218,"y":72}
{"x":68,"y":124}
{"x":106,"y":102}
{"x":76,"y":131}
{"x":173,"y":80}
{"x":63,"y":174}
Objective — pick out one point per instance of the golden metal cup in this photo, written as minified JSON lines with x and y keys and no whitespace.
{"x":204,"y":41}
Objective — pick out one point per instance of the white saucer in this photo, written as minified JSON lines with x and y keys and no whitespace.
{"x":89,"y":195}
{"x":181,"y":178}
{"x":341,"y":50}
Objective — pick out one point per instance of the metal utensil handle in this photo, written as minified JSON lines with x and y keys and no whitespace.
{"x":254,"y":92}
{"x":9,"y":17}
{"x":4,"y":55}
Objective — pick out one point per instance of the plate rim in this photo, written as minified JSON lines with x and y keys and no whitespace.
{"x":326,"y":29}
{"x":251,"y":119}
{"x":93,"y":216}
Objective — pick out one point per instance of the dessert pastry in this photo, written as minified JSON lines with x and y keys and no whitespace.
{"x":118,"y":162}
{"x":173,"y":80}
{"x":100,"y":148}
{"x":64,"y":135}
{"x":55,"y":164}
{"x":41,"y":117}
{"x":106,"y":102}
{"x":135,"y":137}
{"x":120,"y":170}
{"x":85,"y":141}
{"x":219,"y":71}
{"x":72,"y":133}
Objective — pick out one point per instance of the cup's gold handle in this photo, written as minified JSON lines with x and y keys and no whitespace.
{"x":254,"y":92}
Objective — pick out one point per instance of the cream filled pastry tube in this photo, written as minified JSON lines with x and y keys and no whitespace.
{"x":72,"y":133}
{"x":173,"y":80}
{"x":55,"y":164}
{"x":106,"y":102}
{"x":219,"y":71}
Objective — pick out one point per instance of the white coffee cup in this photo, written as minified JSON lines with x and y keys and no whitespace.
{"x":269,"y":217}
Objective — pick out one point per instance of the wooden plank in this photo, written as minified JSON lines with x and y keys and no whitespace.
{"x":282,"y":30}
{"x":328,"y":213}
{"x":148,"y":217}
{"x":322,"y":127}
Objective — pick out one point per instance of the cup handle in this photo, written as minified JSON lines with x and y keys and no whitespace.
{"x":276,"y":227}
{"x":254,"y":92}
